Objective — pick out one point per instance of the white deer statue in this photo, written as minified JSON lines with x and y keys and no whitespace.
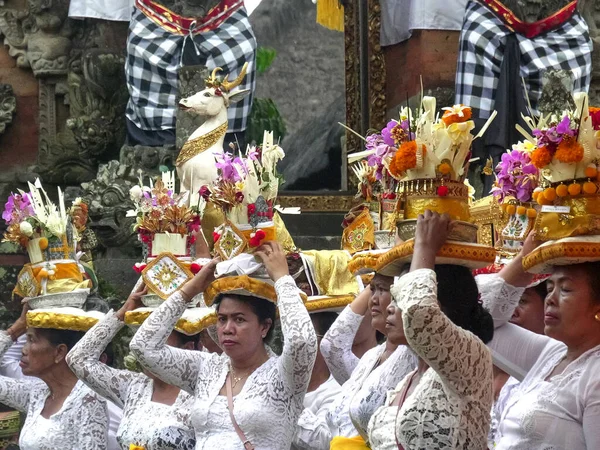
{"x":196,"y":161}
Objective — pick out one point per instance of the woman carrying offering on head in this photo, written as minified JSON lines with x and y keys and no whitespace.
{"x":62,"y":412}
{"x":364,"y":380}
{"x":557,"y":403}
{"x":247,"y":397}
{"x":155,"y":414}
{"x":445,"y":402}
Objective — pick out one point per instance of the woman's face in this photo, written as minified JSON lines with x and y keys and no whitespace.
{"x":239,"y":330}
{"x":379,"y":301}
{"x":529,"y":313}
{"x":394,"y":327}
{"x":571,"y":306}
{"x":39,"y":355}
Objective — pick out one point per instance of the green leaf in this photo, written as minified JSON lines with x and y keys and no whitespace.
{"x":264,"y":58}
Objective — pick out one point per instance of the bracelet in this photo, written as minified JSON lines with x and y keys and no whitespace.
{"x":186,"y":297}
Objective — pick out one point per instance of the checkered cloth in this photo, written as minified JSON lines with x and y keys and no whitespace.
{"x":482,"y":42}
{"x":154,"y":57}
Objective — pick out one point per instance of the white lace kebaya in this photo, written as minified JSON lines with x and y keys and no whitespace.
{"x":152,"y":425}
{"x":562,"y":412}
{"x":450,"y":407}
{"x":81,"y":422}
{"x":271,"y":400}
{"x":364,"y":387}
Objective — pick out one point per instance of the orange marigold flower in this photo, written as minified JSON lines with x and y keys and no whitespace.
{"x":405,"y":158}
{"x":452,"y":115}
{"x":541,"y":157}
{"x":569,"y":150}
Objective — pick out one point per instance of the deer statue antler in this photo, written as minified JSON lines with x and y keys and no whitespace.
{"x":213,"y":81}
{"x":228,"y":86}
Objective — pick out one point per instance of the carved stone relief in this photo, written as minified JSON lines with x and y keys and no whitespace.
{"x":8,"y":106}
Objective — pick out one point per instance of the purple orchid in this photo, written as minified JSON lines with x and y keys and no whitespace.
{"x":17,"y":208}
{"x":515,"y":176}
{"x":386,"y":133}
{"x":254,"y":153}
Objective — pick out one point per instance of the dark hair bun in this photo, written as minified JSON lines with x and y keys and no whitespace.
{"x":459,"y":299}
{"x":482,"y":324}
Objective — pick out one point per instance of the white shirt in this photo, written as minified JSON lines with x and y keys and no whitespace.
{"x":560,"y":413}
{"x":450,"y":406}
{"x":152,"y":425}
{"x":400,"y":17}
{"x":364,"y":387}
{"x":312,"y":432}
{"x":118,"y":10}
{"x":81,"y":422}
{"x":270,"y":402}
{"x":9,"y":367}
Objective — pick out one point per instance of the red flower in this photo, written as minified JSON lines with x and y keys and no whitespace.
{"x":251,"y":209}
{"x":192,"y":240}
{"x":442,"y":191}
{"x":595,"y":114}
{"x":239,"y":197}
{"x":216,"y":236}
{"x":254,"y":242}
{"x":195,"y":268}
{"x":204,"y":192}
{"x":260,"y":234}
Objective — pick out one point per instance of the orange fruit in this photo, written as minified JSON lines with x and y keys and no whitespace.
{"x":43,"y":242}
{"x":589,"y":187}
{"x":531,"y":213}
{"x":521,"y":210}
{"x":562,"y":190}
{"x":511,"y":209}
{"x":550,"y":194}
{"x":574,"y":189}
{"x":591,"y":171}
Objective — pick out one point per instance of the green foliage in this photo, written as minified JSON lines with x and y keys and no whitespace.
{"x":264,"y":117}
{"x":264,"y":59}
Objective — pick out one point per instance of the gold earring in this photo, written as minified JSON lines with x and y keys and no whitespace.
{"x":597,"y":317}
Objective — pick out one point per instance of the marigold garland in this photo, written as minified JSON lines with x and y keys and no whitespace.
{"x":569,"y":150}
{"x":405,"y":158}
{"x":541,"y":157}
{"x":451,"y":117}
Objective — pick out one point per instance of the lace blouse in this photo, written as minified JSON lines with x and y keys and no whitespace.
{"x":270,"y":402}
{"x":365,"y":388}
{"x":81,"y":422}
{"x":559,"y":413}
{"x":450,"y":406}
{"x":152,"y":425}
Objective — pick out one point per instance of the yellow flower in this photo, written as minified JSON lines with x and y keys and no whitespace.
{"x":460,"y":131}
{"x":524,"y":146}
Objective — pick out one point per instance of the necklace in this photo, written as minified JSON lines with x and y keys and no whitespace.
{"x":235,"y":378}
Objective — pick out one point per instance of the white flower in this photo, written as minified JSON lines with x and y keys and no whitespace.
{"x":26,"y":228}
{"x":55,"y":224}
{"x":136,"y":193}
{"x":524,"y":146}
{"x":270,"y":156}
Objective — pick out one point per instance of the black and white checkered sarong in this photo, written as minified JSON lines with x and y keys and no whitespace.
{"x":482,"y":42}
{"x":154,"y":57}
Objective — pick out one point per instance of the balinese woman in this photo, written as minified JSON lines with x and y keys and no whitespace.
{"x":445,"y":402}
{"x":557,"y":405}
{"x":247,"y":397}
{"x":62,"y":412}
{"x":155,"y":414}
{"x":364,"y":380}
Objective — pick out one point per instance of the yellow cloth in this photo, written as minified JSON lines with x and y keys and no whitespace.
{"x":283,"y":235}
{"x":456,"y":208}
{"x":582,"y":219}
{"x":344,"y":443}
{"x":330,"y":272}
{"x":330,"y":14}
